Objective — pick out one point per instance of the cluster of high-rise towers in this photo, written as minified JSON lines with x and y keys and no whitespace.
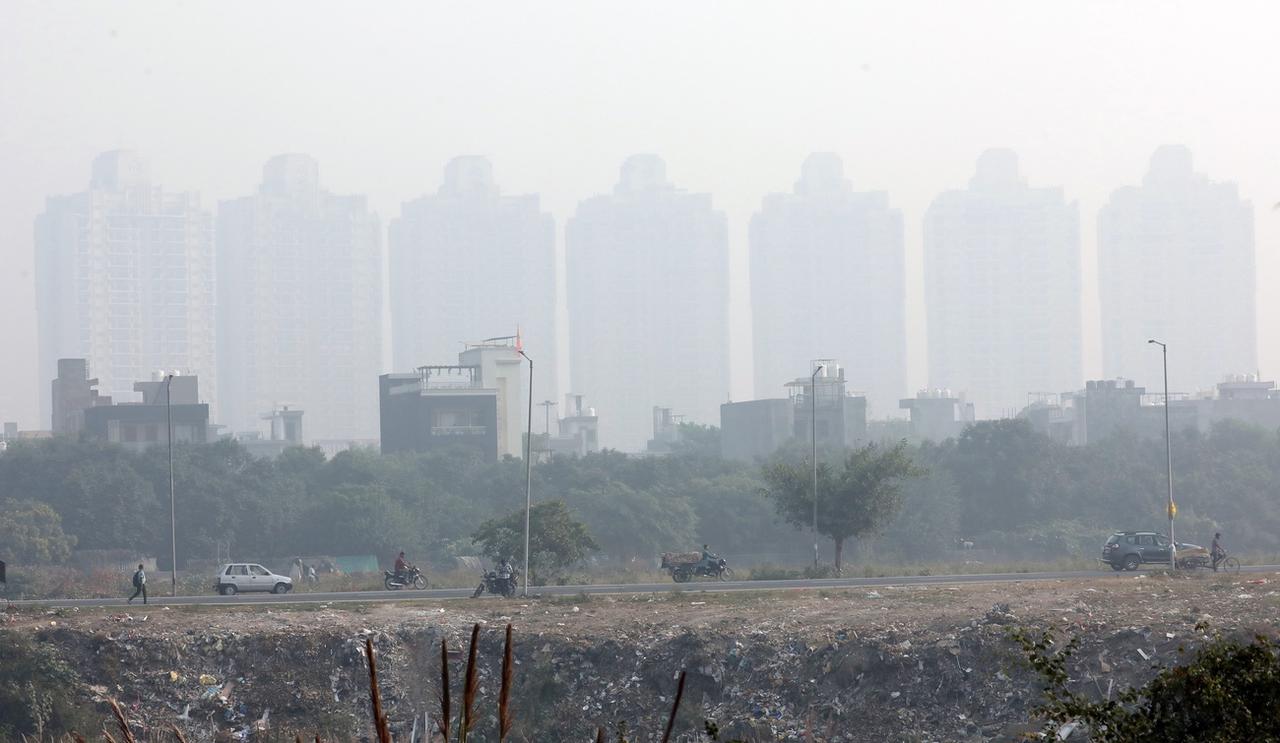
{"x":278,"y":297}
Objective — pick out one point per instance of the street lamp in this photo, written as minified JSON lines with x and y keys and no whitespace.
{"x":173,"y":519}
{"x":813,"y":440}
{"x":1168,"y":453}
{"x":528,"y":471}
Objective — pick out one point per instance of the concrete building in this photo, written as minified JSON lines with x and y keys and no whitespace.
{"x":577,"y":431}
{"x":299,"y":303}
{"x":72,"y":393}
{"x":139,"y":425}
{"x":755,"y":429}
{"x":648,"y":300}
{"x":284,"y":431}
{"x":1108,"y":407}
{"x":1002,"y":289}
{"x":438,"y":408}
{"x":1176,"y":263}
{"x":503,"y":369}
{"x":125,"y":280}
{"x":937,"y":415}
{"x":468,"y":260}
{"x":828,"y":272}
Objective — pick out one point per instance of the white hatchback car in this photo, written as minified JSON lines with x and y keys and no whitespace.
{"x":236,"y":577}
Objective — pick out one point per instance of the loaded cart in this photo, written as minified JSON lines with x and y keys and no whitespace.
{"x":683,"y":566}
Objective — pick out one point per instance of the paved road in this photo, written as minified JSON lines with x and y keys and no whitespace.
{"x":634,"y":588}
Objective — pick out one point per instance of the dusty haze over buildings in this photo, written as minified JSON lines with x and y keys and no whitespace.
{"x":732,"y":96}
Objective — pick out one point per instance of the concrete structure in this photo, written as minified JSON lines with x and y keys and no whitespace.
{"x":299,"y":303}
{"x":468,"y":261}
{"x":755,"y":429}
{"x":72,"y":393}
{"x":827,"y":272}
{"x":503,"y":369}
{"x":578,"y":432}
{"x":648,"y":299}
{"x":284,"y":431}
{"x":841,"y":413}
{"x":1176,"y":263}
{"x":937,"y":415}
{"x":142,"y":424}
{"x":1110,"y":407}
{"x":125,"y":280}
{"x":666,"y":431}
{"x":1002,"y":289}
{"x":438,"y":408}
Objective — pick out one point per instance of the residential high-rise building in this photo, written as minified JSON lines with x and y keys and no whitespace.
{"x":125,"y":280}
{"x":1002,"y":289}
{"x":470,"y":264}
{"x":648,"y":297}
{"x":828,"y":279}
{"x":300,"y":304}
{"x":1176,"y":263}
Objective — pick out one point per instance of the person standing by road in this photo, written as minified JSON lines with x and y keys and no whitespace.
{"x":139,"y":585}
{"x":1216,"y":553}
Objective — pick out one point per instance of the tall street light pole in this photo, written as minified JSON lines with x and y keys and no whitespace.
{"x":813,"y":439}
{"x":1168,"y":454}
{"x":528,"y":472}
{"x":173,"y":518}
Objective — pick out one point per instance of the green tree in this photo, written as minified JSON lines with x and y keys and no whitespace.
{"x":855,"y":501}
{"x":556,"y":540}
{"x":31,"y":534}
{"x":354,"y":520}
{"x":1226,"y":693}
{"x":1003,"y":470}
{"x":634,"y":523}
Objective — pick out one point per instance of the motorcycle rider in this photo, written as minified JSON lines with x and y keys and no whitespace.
{"x":402,"y":567}
{"x":709,"y":562}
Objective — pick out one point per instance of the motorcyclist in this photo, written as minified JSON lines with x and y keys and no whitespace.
{"x":709,"y":559}
{"x":402,"y":567}
{"x":505,"y":570}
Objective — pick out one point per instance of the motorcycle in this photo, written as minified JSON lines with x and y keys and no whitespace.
{"x":498,"y":586}
{"x":411,"y":578}
{"x":717,"y":568}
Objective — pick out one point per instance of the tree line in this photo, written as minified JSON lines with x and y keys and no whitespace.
{"x":999,"y":486}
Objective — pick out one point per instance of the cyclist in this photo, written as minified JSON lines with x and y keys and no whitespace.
{"x":1216,"y":552}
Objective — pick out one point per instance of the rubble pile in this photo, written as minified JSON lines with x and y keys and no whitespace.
{"x":928,"y":664}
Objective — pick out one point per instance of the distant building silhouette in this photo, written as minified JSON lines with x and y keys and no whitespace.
{"x":1002,"y":289}
{"x":469,"y":263}
{"x":299,"y":303}
{"x":1176,"y":263}
{"x":828,"y":278}
{"x":125,"y":280}
{"x":648,"y":296}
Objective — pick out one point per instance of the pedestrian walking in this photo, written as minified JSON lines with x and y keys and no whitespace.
{"x":139,"y":585}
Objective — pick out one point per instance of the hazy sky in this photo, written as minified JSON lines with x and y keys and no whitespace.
{"x":733,"y":95}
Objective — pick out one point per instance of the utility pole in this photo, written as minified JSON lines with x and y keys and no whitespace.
{"x":173,"y":518}
{"x":813,"y":440}
{"x":1168,"y":454}
{"x":528,"y":471}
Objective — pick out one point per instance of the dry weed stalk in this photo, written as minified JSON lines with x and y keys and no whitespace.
{"x":470,"y":687}
{"x":446,"y":714}
{"x":675,"y":708}
{"x":375,"y":694}
{"x":180,"y":737}
{"x":122,"y":722}
{"x":504,"y":695}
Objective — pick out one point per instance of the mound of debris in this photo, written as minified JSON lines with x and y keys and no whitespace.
{"x":912,"y":664}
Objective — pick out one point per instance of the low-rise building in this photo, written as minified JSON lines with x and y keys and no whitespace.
{"x":937,"y":415}
{"x":169,"y":402}
{"x":438,"y":407}
{"x":818,"y":403}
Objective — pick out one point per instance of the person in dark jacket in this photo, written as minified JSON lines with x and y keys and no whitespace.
{"x":139,"y":585}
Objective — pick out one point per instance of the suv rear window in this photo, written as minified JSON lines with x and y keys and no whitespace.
{"x":1115,"y":539}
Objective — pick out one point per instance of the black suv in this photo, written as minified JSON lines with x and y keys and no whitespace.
{"x":1126,"y":550}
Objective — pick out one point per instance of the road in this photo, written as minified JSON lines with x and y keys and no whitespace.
{"x":634,"y":588}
